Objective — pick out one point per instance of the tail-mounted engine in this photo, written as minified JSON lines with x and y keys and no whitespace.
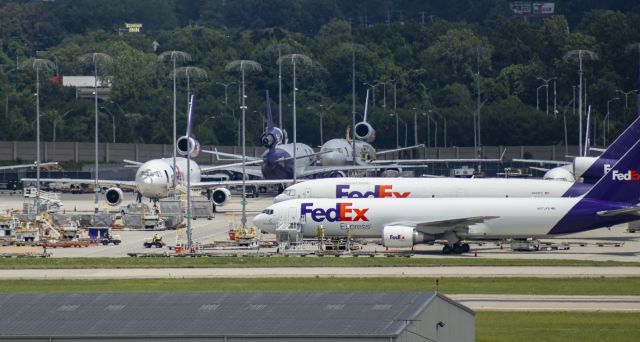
{"x":113,"y":196}
{"x":190,"y":146}
{"x":272,"y":137}
{"x":403,"y":236}
{"x":220,"y":196}
{"x":365,"y":132}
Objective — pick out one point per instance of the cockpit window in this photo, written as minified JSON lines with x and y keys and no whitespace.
{"x":290,"y":192}
{"x":268,"y":211}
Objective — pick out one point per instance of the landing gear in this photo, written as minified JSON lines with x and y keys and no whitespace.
{"x":456,"y":248}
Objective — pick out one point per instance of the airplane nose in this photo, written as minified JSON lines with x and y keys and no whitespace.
{"x":281,"y":198}
{"x":259,"y":221}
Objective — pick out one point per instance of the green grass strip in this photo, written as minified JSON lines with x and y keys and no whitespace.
{"x":557,"y":326}
{"x":29,"y":263}
{"x":533,"y":286}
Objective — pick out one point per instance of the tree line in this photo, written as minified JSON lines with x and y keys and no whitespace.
{"x":423,"y":60}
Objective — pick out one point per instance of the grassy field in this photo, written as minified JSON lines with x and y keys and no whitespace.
{"x":23,"y":263}
{"x":563,"y":286}
{"x":557,"y":326}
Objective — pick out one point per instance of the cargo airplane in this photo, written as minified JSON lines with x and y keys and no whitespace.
{"x":155,"y":178}
{"x":405,"y":222}
{"x":590,"y":169}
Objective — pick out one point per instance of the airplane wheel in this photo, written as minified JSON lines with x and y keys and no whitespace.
{"x":466,"y":248}
{"x":457,"y":249}
{"x":446,"y":249}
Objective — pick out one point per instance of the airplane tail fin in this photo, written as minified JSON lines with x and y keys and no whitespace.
{"x":586,"y":136}
{"x":187,"y":144}
{"x":366,"y":107}
{"x":269,"y":114}
{"x":190,"y":118}
{"x":622,"y":181}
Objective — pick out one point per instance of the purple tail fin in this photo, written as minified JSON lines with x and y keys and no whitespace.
{"x":622,"y":182}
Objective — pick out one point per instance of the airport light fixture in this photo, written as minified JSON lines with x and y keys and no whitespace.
{"x":243,"y":65}
{"x":444,"y":119}
{"x":54,"y":121}
{"x":384,"y":91}
{"x":626,"y":93}
{"x":546,"y":85}
{"x":95,"y":58}
{"x":606,"y":121}
{"x":37,"y":64}
{"x":580,"y":55}
{"x":373,"y":91}
{"x":538,"y":96}
{"x":303,"y":60}
{"x":360,"y":48}
{"x":225,"y":85}
{"x":286,"y":49}
{"x":190,"y":72}
{"x":174,"y":56}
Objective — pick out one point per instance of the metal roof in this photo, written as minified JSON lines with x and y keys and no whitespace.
{"x":210,"y":314}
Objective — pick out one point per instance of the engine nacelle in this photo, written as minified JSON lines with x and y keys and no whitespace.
{"x":186,"y":145}
{"x":114,"y":196}
{"x":272,"y":137}
{"x":220,"y":196}
{"x":403,"y":236}
{"x":561,"y":173}
{"x":365,"y":132}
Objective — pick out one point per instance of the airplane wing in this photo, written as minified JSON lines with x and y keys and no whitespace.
{"x":617,"y":212}
{"x":132,"y":162}
{"x":229,"y":155}
{"x":399,"y":149}
{"x":215,"y":184}
{"x":26,"y":166}
{"x":409,"y":161}
{"x":101,"y":182}
{"x":235,"y":167}
{"x":439,"y":227}
{"x":539,"y":168}
{"x":540,"y":161}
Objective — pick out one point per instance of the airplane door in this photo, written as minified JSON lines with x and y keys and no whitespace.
{"x":307,"y":193}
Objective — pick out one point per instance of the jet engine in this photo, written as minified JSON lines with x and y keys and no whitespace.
{"x":113,"y":196}
{"x":365,"y":132}
{"x":403,"y":236}
{"x":272,"y":137}
{"x":190,"y":146}
{"x":220,"y":196}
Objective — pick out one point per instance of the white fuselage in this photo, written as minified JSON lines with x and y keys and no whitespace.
{"x":366,"y":218}
{"x":339,"y":152}
{"x":423,"y":188}
{"x":154,"y":178}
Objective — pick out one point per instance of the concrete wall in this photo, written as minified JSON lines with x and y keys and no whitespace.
{"x":115,"y":153}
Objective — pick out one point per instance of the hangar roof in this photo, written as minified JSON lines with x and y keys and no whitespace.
{"x":211,"y":314}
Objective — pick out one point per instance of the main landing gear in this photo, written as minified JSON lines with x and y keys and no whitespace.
{"x":456,"y":248}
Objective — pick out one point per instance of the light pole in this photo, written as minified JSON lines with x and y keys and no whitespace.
{"x":626,"y":93}
{"x":113,"y":121}
{"x":55,"y":121}
{"x":174,"y":56}
{"x":286,"y":48}
{"x":538,"y":97}
{"x":632,"y":48}
{"x":353,"y":48}
{"x":37,"y":64}
{"x":243,"y":65}
{"x":546,"y":84}
{"x":395,"y":111}
{"x":373,"y":92}
{"x":225,"y":85}
{"x":606,"y":121}
{"x":415,"y":126}
{"x":293,"y":59}
{"x":189,"y":72}
{"x":435,"y":142}
{"x":444,"y":119}
{"x":580,"y":54}
{"x":94,"y":58}
{"x":384,"y":92}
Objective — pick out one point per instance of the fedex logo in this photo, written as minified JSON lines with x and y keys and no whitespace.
{"x":396,"y":237}
{"x":380,"y":191}
{"x":627,"y":176}
{"x":341,"y":212}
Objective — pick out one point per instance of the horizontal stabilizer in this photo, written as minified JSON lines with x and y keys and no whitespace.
{"x":618,"y":212}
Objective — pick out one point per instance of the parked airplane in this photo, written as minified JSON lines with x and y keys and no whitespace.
{"x":155,"y":178}
{"x":405,"y":222}
{"x":591,"y":169}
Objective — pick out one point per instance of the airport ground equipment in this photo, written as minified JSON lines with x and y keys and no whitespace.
{"x":113,"y":239}
{"x":155,"y":241}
